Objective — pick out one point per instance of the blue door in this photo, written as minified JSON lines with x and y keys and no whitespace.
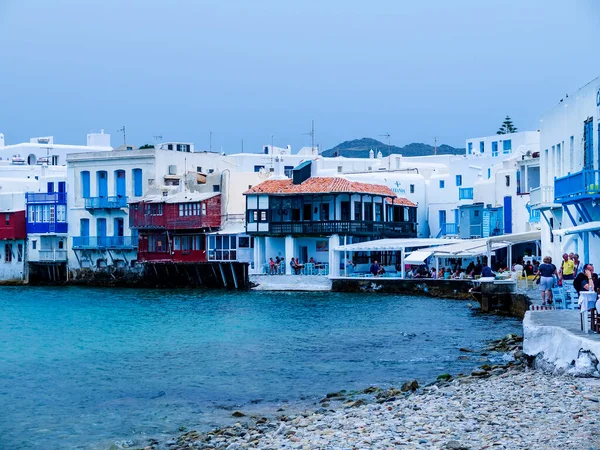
{"x":50,"y":187}
{"x":85,"y":184}
{"x":62,"y":186}
{"x":84,"y":225}
{"x":137,"y":182}
{"x":442,"y":217}
{"x":102,"y":181}
{"x":120,"y":187}
{"x":507,"y":215}
{"x":101,"y":232}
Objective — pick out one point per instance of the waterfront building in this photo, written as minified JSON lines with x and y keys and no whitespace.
{"x":47,"y":230}
{"x":12,"y":237}
{"x":569,"y":194}
{"x":308,"y":216}
{"x":43,"y":150}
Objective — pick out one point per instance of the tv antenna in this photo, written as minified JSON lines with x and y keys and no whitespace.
{"x":388,"y":136}
{"x":157,"y":139}
{"x":124,"y":135}
{"x":311,"y":133}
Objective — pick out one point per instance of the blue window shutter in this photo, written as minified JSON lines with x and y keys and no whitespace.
{"x":50,"y":187}
{"x":62,"y":186}
{"x":137,"y":182}
{"x":84,"y":225}
{"x":120,"y":186}
{"x":481,"y":146}
{"x":442,"y":184}
{"x":470,"y":147}
{"x":506,"y":146}
{"x":102,"y":183}
{"x":489,"y":173}
{"x":85,"y":184}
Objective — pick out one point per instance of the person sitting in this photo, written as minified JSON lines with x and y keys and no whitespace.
{"x":294,"y":266}
{"x":381,"y":270}
{"x":487,"y":272}
{"x":374,"y":269}
{"x":584,"y":281}
{"x":298,"y":265}
{"x":271,"y":266}
{"x":277,"y":264}
{"x":350,"y":266}
{"x":312,"y":260}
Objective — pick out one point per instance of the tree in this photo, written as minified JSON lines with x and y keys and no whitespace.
{"x":146,"y":146}
{"x":507,"y":127}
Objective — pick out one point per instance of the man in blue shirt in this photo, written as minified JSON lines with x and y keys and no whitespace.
{"x":486,"y":272}
{"x":375,"y":268}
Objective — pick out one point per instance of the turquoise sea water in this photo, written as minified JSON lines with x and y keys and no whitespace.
{"x":85,"y":367}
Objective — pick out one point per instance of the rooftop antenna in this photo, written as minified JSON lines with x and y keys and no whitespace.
{"x":157,"y":139}
{"x":272,"y":136}
{"x":124,"y":135}
{"x":435,"y":145}
{"x":210,"y":141}
{"x":242,"y":146}
{"x":388,"y":135}
{"x":312,"y":136}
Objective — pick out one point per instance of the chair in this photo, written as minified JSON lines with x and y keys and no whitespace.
{"x":325,"y":270}
{"x":558,"y":297}
{"x":571,"y":296}
{"x":521,"y":279}
{"x":309,"y":269}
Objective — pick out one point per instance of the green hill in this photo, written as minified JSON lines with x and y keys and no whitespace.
{"x":359,"y":148}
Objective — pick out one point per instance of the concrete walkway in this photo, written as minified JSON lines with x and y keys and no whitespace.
{"x":291,"y":283}
{"x":556,"y":339}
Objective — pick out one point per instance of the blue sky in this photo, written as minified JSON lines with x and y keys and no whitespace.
{"x":251,"y":69}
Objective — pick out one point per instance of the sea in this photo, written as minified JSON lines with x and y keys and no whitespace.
{"x":91,"y":368}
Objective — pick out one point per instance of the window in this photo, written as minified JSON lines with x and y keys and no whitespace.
{"x":339,"y":169}
{"x":571,"y":155}
{"x":84,"y":227}
{"x":507,"y":178}
{"x":61,"y":213}
{"x":506,"y":146}
{"x":31,"y":214}
{"x":378,"y":212}
{"x":470,"y":148}
{"x":52,"y":214}
{"x":244,"y":242}
{"x":442,"y":184}
{"x":198,"y":169}
{"x":46,"y":212}
{"x":169,"y":146}
{"x":216,"y":188}
{"x":288,"y":171}
{"x":61,"y":245}
{"x":203,"y":209}
{"x":459,"y":180}
{"x":8,"y":252}
{"x":50,"y":187}
{"x":481,"y":146}
{"x":412,"y":189}
{"x":62,"y":186}
{"x":495,"y":148}
{"x":223,"y":248}
{"x":258,"y":168}
{"x":476,"y":213}
{"x":85,"y":184}
{"x":489,"y":173}
{"x":357,"y":211}
{"x":38,"y":213}
{"x":138,"y":188}
{"x":33,"y":245}
{"x":183,"y":148}
{"x":263,"y":216}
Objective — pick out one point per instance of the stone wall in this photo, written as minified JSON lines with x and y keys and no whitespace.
{"x":457,"y":289}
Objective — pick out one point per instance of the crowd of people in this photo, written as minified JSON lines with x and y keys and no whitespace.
{"x":277,"y":265}
{"x":571,"y":270}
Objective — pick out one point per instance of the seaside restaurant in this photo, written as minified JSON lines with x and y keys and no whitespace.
{"x":396,"y":254}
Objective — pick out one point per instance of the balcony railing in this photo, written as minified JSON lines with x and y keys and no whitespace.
{"x":115,"y":202}
{"x":450,"y":228}
{"x":465,"y":193}
{"x":399,"y":229}
{"x":38,"y":197}
{"x":104,"y":242}
{"x":541,"y":195}
{"x":55,"y":255}
{"x":577,"y":185}
{"x":534,"y":215}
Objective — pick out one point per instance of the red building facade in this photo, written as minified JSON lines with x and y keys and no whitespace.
{"x":174,"y":228}
{"x":13,"y":225}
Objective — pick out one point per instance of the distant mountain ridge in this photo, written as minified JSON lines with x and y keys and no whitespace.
{"x":360,"y":148}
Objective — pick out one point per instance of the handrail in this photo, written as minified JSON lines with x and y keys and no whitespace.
{"x":113,"y":202}
{"x":584,"y":182}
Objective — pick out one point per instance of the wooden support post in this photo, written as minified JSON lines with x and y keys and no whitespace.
{"x":223,"y":275}
{"x":198,"y":274}
{"x":212,"y":266}
{"x":235,"y":283}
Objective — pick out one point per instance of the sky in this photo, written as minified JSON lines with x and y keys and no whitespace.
{"x":256,"y":71}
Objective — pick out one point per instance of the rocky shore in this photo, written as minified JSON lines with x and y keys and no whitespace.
{"x":505,"y":406}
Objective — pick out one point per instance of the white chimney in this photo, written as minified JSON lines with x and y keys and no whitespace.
{"x":379,"y":155}
{"x":371,"y":154}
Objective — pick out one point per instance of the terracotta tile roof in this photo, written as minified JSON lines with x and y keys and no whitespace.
{"x":325,"y":185}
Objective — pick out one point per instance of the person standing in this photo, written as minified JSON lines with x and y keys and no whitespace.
{"x":546,"y":274}
{"x":375,"y":268}
{"x":566,"y":268}
{"x":577,"y":266}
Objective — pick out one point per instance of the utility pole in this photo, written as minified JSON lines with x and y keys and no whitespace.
{"x":210,"y":141}
{"x":312,"y":137}
{"x":435,"y":145}
{"x":124,"y":135}
{"x":242,"y":146}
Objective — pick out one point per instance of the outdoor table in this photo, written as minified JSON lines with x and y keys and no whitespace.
{"x":587,"y":302}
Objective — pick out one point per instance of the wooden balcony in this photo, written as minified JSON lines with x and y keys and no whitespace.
{"x":348,"y":227}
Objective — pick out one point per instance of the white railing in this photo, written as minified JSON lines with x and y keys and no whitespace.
{"x":540,"y":195}
{"x":51,"y":256}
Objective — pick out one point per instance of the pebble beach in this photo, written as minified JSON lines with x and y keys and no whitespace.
{"x":508,"y":406}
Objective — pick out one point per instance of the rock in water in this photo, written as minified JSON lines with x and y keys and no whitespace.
{"x":479,"y":373}
{"x":237,"y":414}
{"x":410,"y":386}
{"x":455,"y":445}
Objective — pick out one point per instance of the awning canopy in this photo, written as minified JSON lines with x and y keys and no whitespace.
{"x":383,"y":245}
{"x":417,"y":257}
{"x":583,"y":228}
{"x":471,"y":247}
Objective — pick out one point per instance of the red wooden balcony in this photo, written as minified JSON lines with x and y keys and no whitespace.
{"x":176,"y":216}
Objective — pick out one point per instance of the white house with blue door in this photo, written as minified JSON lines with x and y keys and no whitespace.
{"x":569,"y":196}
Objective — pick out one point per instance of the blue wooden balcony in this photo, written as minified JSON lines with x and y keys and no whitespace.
{"x":45,"y":198}
{"x":47,"y":227}
{"x":448,"y":229}
{"x":104,"y":242}
{"x":465,"y":193}
{"x":115,"y":202}
{"x":577,"y":186}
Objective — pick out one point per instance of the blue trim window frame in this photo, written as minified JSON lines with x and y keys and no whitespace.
{"x":481,"y":147}
{"x":258,"y":168}
{"x":470,"y":148}
{"x":495,"y":148}
{"x":459,"y":180}
{"x":506,"y":146}
{"x":442,"y":184}
{"x":489,"y":173}
{"x":138,"y":186}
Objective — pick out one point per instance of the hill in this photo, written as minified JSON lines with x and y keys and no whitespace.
{"x":359,"y":148}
